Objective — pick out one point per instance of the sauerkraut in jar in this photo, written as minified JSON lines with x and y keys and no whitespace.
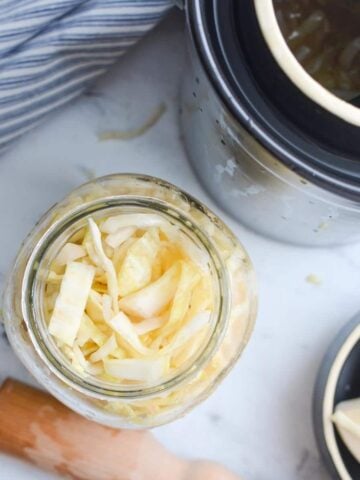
{"x":129,"y":301}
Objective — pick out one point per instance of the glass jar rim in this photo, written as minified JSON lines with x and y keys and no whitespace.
{"x":31,"y":279}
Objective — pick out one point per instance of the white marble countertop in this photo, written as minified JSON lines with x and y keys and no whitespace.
{"x":258,"y":422}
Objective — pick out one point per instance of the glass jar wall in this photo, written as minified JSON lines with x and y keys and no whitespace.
{"x":203,"y":359}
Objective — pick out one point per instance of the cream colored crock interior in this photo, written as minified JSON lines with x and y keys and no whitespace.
{"x":286,"y":60}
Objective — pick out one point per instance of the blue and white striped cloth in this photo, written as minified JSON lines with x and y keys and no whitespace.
{"x":50,"y":50}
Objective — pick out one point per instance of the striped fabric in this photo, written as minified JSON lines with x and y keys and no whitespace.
{"x":50,"y":50}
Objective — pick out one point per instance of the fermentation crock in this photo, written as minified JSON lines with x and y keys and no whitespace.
{"x":273,"y":147}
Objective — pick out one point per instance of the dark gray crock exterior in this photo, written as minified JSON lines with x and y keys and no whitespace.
{"x":246,"y":179}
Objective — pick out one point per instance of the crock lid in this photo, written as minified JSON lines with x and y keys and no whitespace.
{"x":304,"y":136}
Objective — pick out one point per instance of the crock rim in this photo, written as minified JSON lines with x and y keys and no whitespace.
{"x":200,"y":36}
{"x":295,"y":72}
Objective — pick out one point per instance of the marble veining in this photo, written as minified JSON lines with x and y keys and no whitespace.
{"x":258,"y":422}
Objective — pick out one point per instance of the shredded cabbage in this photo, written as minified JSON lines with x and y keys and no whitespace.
{"x":134,"y":300}
{"x":189,"y":277}
{"x":147,"y":371}
{"x":138,"y":220}
{"x":105,"y":350}
{"x":89,"y":331}
{"x":94,"y":306}
{"x":69,"y":253}
{"x":105,"y":263}
{"x":106,"y":308}
{"x":95,"y":369}
{"x":124,"y":327}
{"x":191,"y":250}
{"x":136,"y":269}
{"x":117,"y":238}
{"x":186,"y":333}
{"x":148,"y":325}
{"x":78,"y":360}
{"x":71,"y":301}
{"x":154,"y":298}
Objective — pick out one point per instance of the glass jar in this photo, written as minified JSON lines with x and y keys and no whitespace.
{"x":231,"y":325}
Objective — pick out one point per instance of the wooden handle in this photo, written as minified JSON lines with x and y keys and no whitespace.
{"x":38,"y":428}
